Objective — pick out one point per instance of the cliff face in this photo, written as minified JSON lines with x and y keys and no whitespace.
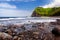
{"x":34,"y":14}
{"x":39,"y":11}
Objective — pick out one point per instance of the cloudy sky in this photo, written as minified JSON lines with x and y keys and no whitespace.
{"x":17,"y":8}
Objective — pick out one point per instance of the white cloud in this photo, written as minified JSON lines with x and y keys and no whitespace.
{"x":14,"y":13}
{"x":6,"y":5}
{"x":8,"y":10}
{"x":19,"y":0}
{"x":54,"y":3}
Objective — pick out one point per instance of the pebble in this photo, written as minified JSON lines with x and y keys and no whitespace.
{"x":36,"y":31}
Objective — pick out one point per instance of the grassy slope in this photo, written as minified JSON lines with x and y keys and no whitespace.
{"x":47,"y":11}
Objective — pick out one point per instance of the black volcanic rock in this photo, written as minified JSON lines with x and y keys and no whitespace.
{"x":56,"y":31}
{"x":34,"y":14}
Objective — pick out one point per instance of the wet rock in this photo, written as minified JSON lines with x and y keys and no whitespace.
{"x":56,"y":31}
{"x":5,"y":36}
{"x":53,"y":23}
{"x":18,"y":30}
{"x":28,"y":27}
{"x":58,"y":21}
{"x":9,"y":31}
{"x":15,"y":38}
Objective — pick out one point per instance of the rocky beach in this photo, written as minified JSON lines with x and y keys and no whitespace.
{"x":29,"y":30}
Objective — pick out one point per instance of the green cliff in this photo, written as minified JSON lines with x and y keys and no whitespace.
{"x":39,"y":11}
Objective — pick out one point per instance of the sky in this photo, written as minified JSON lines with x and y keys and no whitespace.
{"x":18,"y":8}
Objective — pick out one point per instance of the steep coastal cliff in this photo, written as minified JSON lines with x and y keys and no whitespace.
{"x":40,"y":11}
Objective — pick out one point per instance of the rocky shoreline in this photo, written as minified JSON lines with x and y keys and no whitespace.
{"x":32,"y":31}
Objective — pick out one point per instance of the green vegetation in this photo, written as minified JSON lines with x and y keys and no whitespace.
{"x":48,"y":11}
